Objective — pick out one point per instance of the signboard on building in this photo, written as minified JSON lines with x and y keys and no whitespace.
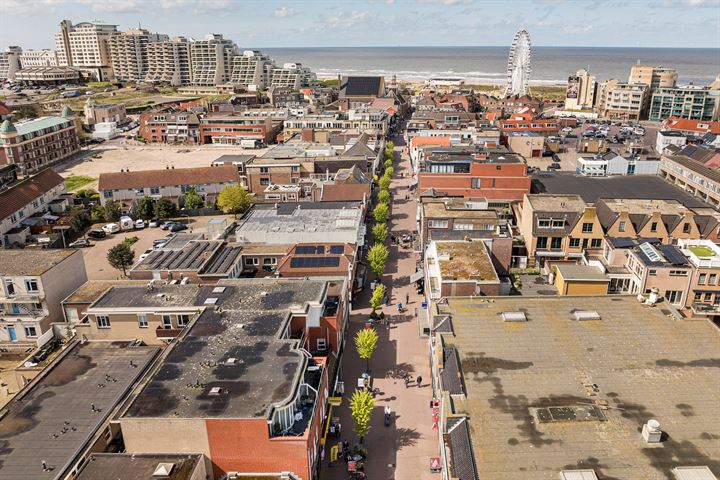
{"x":573,"y":87}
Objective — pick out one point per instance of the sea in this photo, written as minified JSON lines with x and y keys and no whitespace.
{"x":483,"y":65}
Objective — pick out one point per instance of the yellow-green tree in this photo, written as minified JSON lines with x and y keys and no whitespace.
{"x":384,"y":196}
{"x":365,"y":344}
{"x":389,"y":172}
{"x":377,"y":297}
{"x":362,"y":404}
{"x":384,"y":182}
{"x":377,"y":256}
{"x":381,"y":213}
{"x":234,"y":199}
{"x":380,"y":232}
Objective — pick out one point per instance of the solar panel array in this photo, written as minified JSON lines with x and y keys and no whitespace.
{"x":673,"y":255}
{"x":224,"y":260}
{"x":310,"y":250}
{"x":337,"y":249}
{"x":314,"y":262}
{"x":190,"y":257}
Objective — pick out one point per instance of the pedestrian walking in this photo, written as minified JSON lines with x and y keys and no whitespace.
{"x":419,"y":381}
{"x":407,"y":298}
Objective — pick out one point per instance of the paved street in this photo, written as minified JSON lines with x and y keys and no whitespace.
{"x":402,"y":450}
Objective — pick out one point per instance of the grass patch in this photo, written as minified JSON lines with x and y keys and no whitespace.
{"x":74,"y":182}
{"x":701,"y":251}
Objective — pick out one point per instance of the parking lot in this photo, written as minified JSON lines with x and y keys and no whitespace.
{"x":95,"y":256}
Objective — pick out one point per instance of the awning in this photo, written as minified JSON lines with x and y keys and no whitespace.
{"x":419,"y":275}
{"x":550,"y":254}
{"x":50,"y":217}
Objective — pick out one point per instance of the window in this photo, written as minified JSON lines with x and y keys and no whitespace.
{"x":686,"y":228}
{"x":543,"y":223}
{"x":321,"y":344}
{"x":574,"y":242}
{"x":37,"y":306}
{"x":652,"y":272}
{"x":712,"y":278}
{"x":140,"y":192}
{"x":30,"y":332}
{"x":587,"y":227}
{"x":182,"y":320}
{"x":264,"y":170}
{"x":541,"y":242}
{"x":556,"y":243}
{"x":31,"y":285}
{"x":558,"y":223}
{"x":154,"y":190}
{"x":708,"y":297}
{"x":9,"y":288}
{"x":269,"y":261}
{"x":264,"y":181}
{"x":621,"y":227}
{"x":702,"y":278}
{"x":166,"y":322}
{"x":475,"y":183}
{"x":142,"y":320}
{"x":595,"y":243}
{"x":462,"y":226}
{"x":252,"y":261}
{"x":673,"y":296}
{"x":678,"y":273}
{"x":102,"y":321}
{"x":653,"y":227}
{"x":438,"y":224}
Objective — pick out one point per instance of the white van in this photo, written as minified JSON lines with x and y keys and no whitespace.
{"x":126,"y":223}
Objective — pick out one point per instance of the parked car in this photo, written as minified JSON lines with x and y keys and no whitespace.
{"x":139,"y":224}
{"x":97,"y":233}
{"x":555,"y":166}
{"x":145,"y":254}
{"x":567,"y":129}
{"x":80,"y":243}
{"x":126,"y":223}
{"x":177,"y":227}
{"x":167,"y":225}
{"x":111,"y":228}
{"x":154,"y":222}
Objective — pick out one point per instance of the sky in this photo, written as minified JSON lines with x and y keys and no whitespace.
{"x":343,"y":23}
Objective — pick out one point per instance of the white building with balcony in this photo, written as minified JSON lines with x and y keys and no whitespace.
{"x":32,"y":285}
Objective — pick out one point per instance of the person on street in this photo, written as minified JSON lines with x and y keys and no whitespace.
{"x":407,"y":298}
{"x":419,"y":381}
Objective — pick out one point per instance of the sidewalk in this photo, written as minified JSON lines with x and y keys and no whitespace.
{"x":402,"y":450}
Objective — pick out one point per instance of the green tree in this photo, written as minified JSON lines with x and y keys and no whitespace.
{"x":145,"y":208}
{"x":381,"y":212}
{"x":121,"y":256}
{"x":390,"y":145}
{"x":164,"y":208}
{"x":377,"y":256}
{"x":112,"y":211}
{"x":388,"y":163}
{"x":87,"y":193}
{"x":377,"y":297}
{"x":389,"y":172}
{"x":384,"y":196}
{"x":365,"y":343}
{"x":193,"y":201}
{"x":97,"y":214}
{"x":79,"y":220}
{"x":380,"y":232}
{"x":234,"y":199}
{"x":384,"y":182}
{"x":362,"y":404}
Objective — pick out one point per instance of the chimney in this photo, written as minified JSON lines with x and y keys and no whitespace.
{"x":651,"y":431}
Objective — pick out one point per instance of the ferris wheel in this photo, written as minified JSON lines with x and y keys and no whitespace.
{"x":518,"y":69}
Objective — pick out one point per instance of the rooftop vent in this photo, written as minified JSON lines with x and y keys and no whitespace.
{"x":163,"y":470}
{"x":210,"y":301}
{"x":581,"y":315}
{"x":231,"y":361}
{"x":693,"y":473}
{"x":514,"y":317}
{"x":578,"y":475}
{"x":218,"y":290}
{"x":263,"y":294}
{"x":651,"y":431}
{"x":215,"y":391}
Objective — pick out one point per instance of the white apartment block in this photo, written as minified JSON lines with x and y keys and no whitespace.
{"x":212,"y":60}
{"x":32,"y":285}
{"x":252,"y":68}
{"x":129,"y":53}
{"x":625,"y":101}
{"x":169,"y":62}
{"x":10,"y":63}
{"x":38,"y":58}
{"x":85,"y":46}
{"x":292,"y":75}
{"x":375,"y":120}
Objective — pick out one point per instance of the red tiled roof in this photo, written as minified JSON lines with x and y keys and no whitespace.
{"x":345,"y":192}
{"x":443,"y":141}
{"x":23,"y":193}
{"x":4,"y":109}
{"x":685,"y":124}
{"x":168,"y":177}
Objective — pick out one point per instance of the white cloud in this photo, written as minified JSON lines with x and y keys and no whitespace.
{"x":349,"y":20}
{"x":283,"y":12}
{"x":576,"y":29}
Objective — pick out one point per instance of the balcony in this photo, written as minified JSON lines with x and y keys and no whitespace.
{"x":705,"y":309}
{"x":293,"y":419}
{"x":167,"y":332}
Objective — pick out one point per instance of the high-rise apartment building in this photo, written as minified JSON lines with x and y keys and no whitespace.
{"x":694,"y":103}
{"x":252,"y":68}
{"x":129,"y":53}
{"x":38,"y":58}
{"x":653,"y":76}
{"x":292,"y":75}
{"x":85,"y":46}
{"x":169,"y":62}
{"x":212,"y":60}
{"x":10,"y":63}
{"x":625,"y":101}
{"x":581,"y":90}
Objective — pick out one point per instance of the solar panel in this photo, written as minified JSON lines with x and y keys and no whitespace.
{"x":337,"y":249}
{"x":310,"y":249}
{"x":314,"y":262}
{"x":650,"y":252}
{"x":673,"y":255}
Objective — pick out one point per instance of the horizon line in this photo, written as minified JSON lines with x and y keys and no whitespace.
{"x":489,"y":46}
